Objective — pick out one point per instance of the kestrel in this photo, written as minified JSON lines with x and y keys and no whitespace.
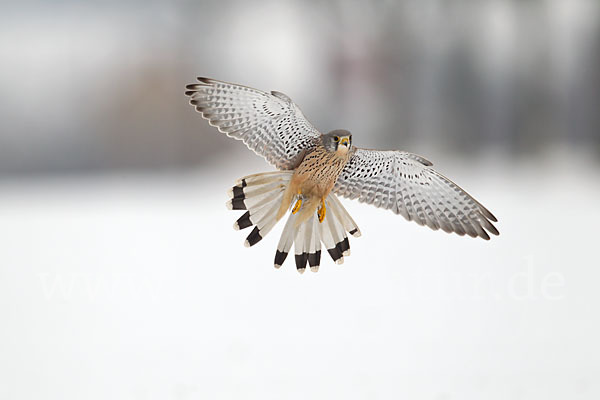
{"x":313,"y":169}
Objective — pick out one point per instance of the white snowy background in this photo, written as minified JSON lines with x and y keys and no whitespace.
{"x":137,"y":287}
{"x":121,"y":276}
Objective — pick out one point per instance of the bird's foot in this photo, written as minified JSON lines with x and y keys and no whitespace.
{"x":297,"y":206}
{"x":321,"y":212}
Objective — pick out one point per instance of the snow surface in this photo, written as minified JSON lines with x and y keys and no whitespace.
{"x":137,"y":287}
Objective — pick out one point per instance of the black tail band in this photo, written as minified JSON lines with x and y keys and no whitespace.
{"x":301,"y":260}
{"x":244,"y":221}
{"x":254,"y":236}
{"x":314,"y":259}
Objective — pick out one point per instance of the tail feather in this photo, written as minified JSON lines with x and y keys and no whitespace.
{"x":310,"y":245}
{"x":314,"y":249}
{"x":300,"y":254}
{"x":267,"y":222}
{"x":285,"y":242}
{"x":326,"y":235}
{"x":255,"y":214}
{"x":262,"y":196}
{"x":263,"y":178}
{"x":258,"y":214}
{"x":243,"y":200}
{"x":338,"y":234}
{"x":253,"y":191}
{"x":345,"y":217}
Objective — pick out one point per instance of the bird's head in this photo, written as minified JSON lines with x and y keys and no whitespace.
{"x":339,"y":141}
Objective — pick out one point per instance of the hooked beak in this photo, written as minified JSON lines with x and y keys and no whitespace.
{"x":345,"y":141}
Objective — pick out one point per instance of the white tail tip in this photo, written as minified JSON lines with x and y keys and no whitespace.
{"x":236,"y":226}
{"x":230,"y":192}
{"x":301,"y":270}
{"x":246,"y":243}
{"x":315,"y":268}
{"x":346,"y":253}
{"x":229,"y":205}
{"x":340,"y":261}
{"x":277,"y":266}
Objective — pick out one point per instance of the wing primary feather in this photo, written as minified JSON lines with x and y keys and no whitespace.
{"x":270,"y":124}
{"x":407,"y":184}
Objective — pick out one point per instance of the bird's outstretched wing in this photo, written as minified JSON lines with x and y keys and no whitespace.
{"x":406,"y":184}
{"x":270,"y":124}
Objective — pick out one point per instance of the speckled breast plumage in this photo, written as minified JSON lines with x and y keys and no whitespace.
{"x":318,"y":171}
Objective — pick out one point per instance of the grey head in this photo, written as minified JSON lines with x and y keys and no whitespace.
{"x":337,"y":140}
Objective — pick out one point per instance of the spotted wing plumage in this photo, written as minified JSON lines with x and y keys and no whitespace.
{"x":407,"y":184}
{"x":270,"y":124}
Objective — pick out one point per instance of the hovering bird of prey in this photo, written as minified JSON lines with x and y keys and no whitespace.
{"x":313,"y":169}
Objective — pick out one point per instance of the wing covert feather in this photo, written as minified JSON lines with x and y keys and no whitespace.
{"x":407,"y":184}
{"x":270,"y":124}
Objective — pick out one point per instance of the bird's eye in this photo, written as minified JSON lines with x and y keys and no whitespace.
{"x":336,"y":139}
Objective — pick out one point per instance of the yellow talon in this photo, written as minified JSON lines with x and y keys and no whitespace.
{"x":297,"y":206}
{"x":322,"y":211}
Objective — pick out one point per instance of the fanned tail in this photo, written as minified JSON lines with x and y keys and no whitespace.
{"x":308,"y":236}
{"x":262,"y":195}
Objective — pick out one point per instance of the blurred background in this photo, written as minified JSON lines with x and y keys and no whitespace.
{"x":120,"y":275}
